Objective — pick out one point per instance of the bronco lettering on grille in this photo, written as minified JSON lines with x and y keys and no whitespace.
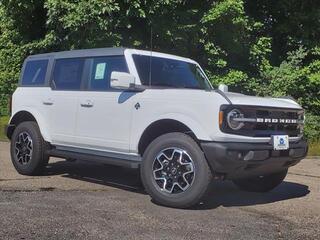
{"x":276,"y":120}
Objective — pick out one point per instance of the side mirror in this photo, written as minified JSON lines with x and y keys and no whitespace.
{"x":122,"y":80}
{"x":223,"y":88}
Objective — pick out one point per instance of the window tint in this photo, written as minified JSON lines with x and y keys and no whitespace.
{"x":170,"y":73}
{"x":35,"y":72}
{"x":101,"y":70}
{"x":67,"y":74}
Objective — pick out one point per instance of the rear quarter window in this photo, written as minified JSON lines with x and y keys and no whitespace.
{"x":34,"y":73}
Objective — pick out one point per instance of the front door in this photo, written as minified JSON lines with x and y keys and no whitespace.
{"x":105,"y":115}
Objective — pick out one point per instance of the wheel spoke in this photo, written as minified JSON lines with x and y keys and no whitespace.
{"x":23,"y":148}
{"x":20,"y":159}
{"x":173,"y":170}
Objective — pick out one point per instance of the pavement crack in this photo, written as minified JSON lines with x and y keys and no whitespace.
{"x":20,"y":179}
{"x":263,"y":214}
{"x":45,"y":189}
{"x":304,"y":175}
{"x":277,"y":221}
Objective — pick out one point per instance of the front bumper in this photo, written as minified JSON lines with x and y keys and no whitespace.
{"x":241,"y":160}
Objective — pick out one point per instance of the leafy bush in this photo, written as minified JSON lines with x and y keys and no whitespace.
{"x":294,"y":77}
{"x":3,"y":122}
{"x":312,"y":128}
{"x":236,"y":41}
{"x":4,"y":111}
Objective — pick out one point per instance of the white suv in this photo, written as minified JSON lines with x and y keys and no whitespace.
{"x":152,"y":111}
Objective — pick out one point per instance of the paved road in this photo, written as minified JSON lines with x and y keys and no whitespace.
{"x":89,"y":201}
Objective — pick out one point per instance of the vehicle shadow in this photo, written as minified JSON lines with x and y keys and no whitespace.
{"x":222,"y":193}
{"x":108,"y":175}
{"x":226,"y":194}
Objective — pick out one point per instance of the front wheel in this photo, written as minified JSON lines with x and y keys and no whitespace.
{"x":263,"y":183}
{"x":174,"y":171}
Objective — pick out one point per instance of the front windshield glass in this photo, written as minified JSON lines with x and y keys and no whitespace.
{"x":170,"y":73}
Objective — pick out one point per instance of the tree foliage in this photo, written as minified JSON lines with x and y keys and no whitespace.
{"x":256,"y":47}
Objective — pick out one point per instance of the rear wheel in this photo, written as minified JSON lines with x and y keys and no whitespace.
{"x":174,"y":171}
{"x":28,"y":149}
{"x":263,"y":183}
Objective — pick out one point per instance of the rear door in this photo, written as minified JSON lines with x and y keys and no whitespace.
{"x":33,"y":88}
{"x":105,"y":114}
{"x":62,"y":100}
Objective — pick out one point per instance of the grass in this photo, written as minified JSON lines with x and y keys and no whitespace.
{"x":314,"y":149}
{"x":3,"y":122}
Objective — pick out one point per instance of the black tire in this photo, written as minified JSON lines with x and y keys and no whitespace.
{"x":201,"y":178}
{"x":32,"y":164}
{"x":261,"y":183}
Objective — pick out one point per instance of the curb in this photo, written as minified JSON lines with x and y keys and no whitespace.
{"x":313,"y":157}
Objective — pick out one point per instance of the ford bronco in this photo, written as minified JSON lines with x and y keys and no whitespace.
{"x":155,"y":112}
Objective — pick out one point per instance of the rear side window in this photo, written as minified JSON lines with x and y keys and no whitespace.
{"x":67,"y":74}
{"x":101,"y":70}
{"x":34,"y":73}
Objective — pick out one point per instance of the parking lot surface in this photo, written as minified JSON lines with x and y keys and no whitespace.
{"x":81,"y":200}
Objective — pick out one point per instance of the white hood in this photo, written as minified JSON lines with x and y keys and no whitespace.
{"x":241,"y":99}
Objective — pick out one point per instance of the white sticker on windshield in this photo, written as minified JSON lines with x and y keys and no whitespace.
{"x":100,"y":70}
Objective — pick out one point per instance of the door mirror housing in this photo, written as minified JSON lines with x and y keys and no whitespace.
{"x":122,"y":80}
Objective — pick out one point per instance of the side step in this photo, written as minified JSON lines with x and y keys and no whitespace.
{"x":112,"y":159}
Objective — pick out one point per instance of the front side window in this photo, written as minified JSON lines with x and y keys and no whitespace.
{"x":169,"y":73}
{"x":101,"y":70}
{"x":67,"y":74}
{"x":34,"y":73}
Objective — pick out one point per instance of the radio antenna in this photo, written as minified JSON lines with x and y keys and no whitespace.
{"x":151,"y":48}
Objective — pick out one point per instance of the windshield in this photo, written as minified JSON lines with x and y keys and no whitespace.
{"x":170,"y":73}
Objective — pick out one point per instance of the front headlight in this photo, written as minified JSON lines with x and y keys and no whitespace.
{"x":234,"y":119}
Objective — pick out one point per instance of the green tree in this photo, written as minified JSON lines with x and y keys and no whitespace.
{"x":256,"y":47}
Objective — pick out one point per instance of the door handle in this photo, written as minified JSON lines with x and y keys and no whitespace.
{"x":87,"y":104}
{"x":47,"y":102}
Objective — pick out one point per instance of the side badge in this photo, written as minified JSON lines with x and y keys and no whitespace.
{"x":137,"y":106}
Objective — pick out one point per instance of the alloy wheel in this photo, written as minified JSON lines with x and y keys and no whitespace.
{"x":173,"y":170}
{"x":24,"y":148}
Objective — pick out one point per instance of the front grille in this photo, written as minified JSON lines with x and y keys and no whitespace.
{"x":267,"y":129}
{"x":280,"y":121}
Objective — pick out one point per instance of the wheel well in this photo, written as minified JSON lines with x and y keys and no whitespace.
{"x":159,"y":128}
{"x":18,"y":118}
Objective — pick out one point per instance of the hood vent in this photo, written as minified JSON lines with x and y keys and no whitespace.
{"x":223,"y":88}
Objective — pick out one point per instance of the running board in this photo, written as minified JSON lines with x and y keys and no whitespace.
{"x":122,"y":160}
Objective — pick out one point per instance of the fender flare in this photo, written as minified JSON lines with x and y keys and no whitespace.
{"x":191,"y":123}
{"x":39,"y":119}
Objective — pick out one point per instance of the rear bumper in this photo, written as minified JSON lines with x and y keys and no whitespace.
{"x":240,"y":160}
{"x":8,"y":130}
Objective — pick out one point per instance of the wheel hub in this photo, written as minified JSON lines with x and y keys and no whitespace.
{"x":24,"y":148}
{"x":173,"y":170}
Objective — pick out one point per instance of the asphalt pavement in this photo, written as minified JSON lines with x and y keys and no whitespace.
{"x":82,"y":200}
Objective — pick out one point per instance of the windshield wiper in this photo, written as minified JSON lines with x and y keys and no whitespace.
{"x":176,"y":86}
{"x":190,"y":87}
